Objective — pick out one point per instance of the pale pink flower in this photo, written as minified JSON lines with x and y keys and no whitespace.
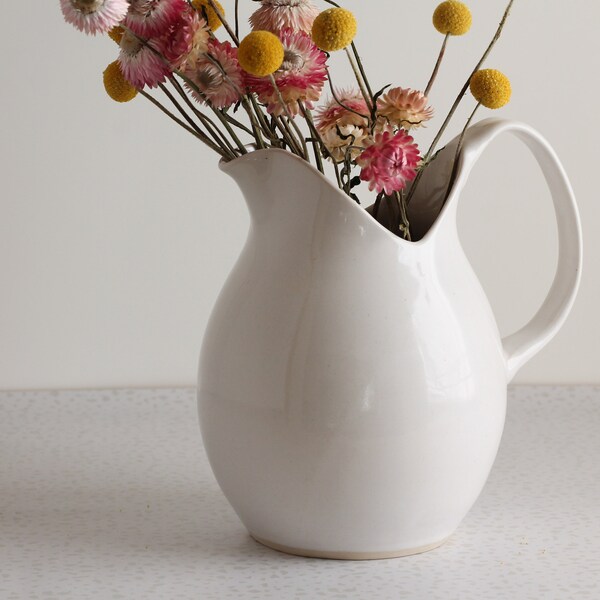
{"x":217,"y":74}
{"x":300,"y":78}
{"x":177,"y":43}
{"x":389,"y":161}
{"x":277,"y":15}
{"x":344,"y":131}
{"x":405,"y":108}
{"x":337,"y":113}
{"x":199,"y":43}
{"x":140,"y":63}
{"x":153,"y":18}
{"x":94,"y":16}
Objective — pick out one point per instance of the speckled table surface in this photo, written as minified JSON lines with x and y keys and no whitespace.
{"x":108,"y":494}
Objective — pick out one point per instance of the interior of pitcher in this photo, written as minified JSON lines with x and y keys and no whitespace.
{"x":426,"y":196}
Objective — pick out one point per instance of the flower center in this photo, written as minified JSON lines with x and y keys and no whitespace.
{"x":398,"y":160}
{"x":292,"y":61}
{"x":284,"y":2}
{"x":87,"y":7}
{"x":143,"y":8}
{"x":130,"y":44}
{"x":208,"y":78}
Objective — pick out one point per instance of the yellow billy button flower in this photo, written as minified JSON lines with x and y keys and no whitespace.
{"x":491,"y":88}
{"x":203,"y":6}
{"x":116,"y":34}
{"x":452,"y":17}
{"x":260,"y":53}
{"x":116,"y":86}
{"x":334,"y":29}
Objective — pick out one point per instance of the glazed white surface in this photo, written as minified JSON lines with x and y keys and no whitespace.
{"x":352,"y":385}
{"x":108,"y":495}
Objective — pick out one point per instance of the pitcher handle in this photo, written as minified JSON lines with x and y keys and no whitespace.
{"x":522,"y":345}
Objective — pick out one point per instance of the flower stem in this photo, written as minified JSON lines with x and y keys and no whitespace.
{"x":359,"y":80}
{"x":255,"y":125}
{"x":200,"y":136}
{"x":336,"y":98}
{"x":228,"y":150}
{"x":457,"y":154}
{"x":211,"y":127}
{"x":437,"y":66}
{"x":289,"y":136}
{"x":272,"y":135}
{"x":223,"y":20}
{"x":289,"y":116}
{"x":403,"y":224}
{"x":225,"y":119}
{"x":318,"y":145}
{"x":315,"y":132}
{"x":363,"y":74}
{"x":237,"y":18}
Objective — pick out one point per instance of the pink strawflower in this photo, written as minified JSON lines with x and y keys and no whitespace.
{"x":300,"y":78}
{"x":344,"y":131}
{"x":405,"y":108}
{"x":389,"y":161}
{"x":277,"y":15}
{"x":177,"y":43}
{"x":153,"y":18}
{"x":222,"y":84}
{"x":140,"y":63}
{"x":337,"y":113}
{"x":94,"y":16}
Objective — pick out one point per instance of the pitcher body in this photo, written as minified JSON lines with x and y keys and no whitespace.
{"x":352,"y":385}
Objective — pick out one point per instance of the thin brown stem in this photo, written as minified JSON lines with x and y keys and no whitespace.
{"x":266,"y":129}
{"x":437,"y":65}
{"x":201,"y":137}
{"x":363,"y":73}
{"x":324,"y":150}
{"x":317,"y":141}
{"x":223,"y":20}
{"x":191,"y":122}
{"x":359,"y":80}
{"x":403,"y":223}
{"x":337,"y":99}
{"x":393,"y":213}
{"x":211,"y":127}
{"x":457,"y":153}
{"x":289,"y":116}
{"x":255,"y":125}
{"x":237,"y":18}
{"x":292,"y":142}
{"x":233,"y":121}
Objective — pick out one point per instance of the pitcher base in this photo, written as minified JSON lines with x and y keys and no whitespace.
{"x":347,"y":555}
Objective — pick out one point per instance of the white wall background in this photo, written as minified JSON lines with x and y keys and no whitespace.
{"x":117,"y":230}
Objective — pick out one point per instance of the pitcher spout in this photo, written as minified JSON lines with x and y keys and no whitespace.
{"x":286,"y":194}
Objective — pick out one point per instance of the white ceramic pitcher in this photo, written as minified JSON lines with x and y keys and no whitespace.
{"x":352,"y":385}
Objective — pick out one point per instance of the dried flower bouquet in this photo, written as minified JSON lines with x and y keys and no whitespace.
{"x":261,"y":90}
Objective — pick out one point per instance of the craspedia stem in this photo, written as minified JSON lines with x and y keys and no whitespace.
{"x":437,"y":66}
{"x":457,"y":102}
